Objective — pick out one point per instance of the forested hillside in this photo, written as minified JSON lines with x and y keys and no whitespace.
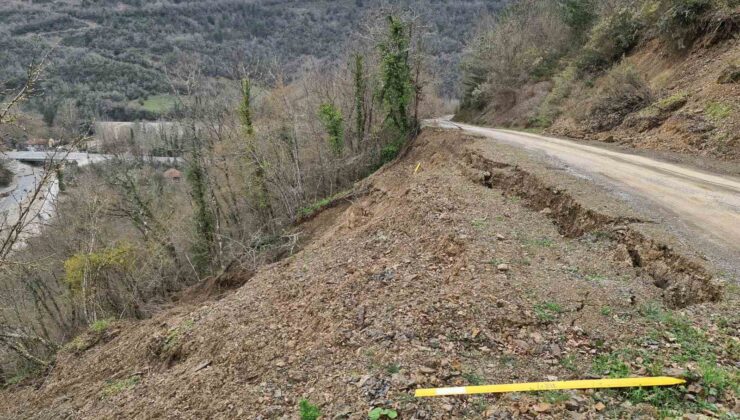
{"x":655,"y":74}
{"x":111,"y":55}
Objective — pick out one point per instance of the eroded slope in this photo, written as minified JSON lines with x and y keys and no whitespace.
{"x":431,"y":278}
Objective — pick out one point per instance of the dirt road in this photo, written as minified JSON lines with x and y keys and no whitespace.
{"x":702,"y":208}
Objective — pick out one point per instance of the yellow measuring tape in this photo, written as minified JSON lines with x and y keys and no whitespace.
{"x":549,"y":386}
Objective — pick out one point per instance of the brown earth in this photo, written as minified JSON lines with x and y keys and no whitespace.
{"x":484,"y":266}
{"x":704,"y":117}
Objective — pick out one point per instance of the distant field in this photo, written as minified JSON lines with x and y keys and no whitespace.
{"x":158,"y":104}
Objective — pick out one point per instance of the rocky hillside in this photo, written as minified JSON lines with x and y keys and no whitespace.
{"x":463,"y":262}
{"x":653,"y":74}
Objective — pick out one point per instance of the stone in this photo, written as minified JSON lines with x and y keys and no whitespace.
{"x":502,"y":267}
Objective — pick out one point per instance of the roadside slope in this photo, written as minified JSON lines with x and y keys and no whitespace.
{"x":472,"y":269}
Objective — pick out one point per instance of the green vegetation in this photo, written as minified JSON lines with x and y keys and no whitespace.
{"x":333,"y":122}
{"x":479,"y":223}
{"x":580,"y":50}
{"x":174,"y":335}
{"x":596,"y":278}
{"x":309,"y":411}
{"x":114,"y":388}
{"x":310,"y":210}
{"x":397,"y":87}
{"x":358,"y":73}
{"x":96,"y":264}
{"x":473,"y":378}
{"x":100,"y":326}
{"x":109,"y":58}
{"x":547,"y":311}
{"x":382,"y":413}
{"x":611,"y":365}
{"x":554,"y":397}
{"x":718,"y":111}
{"x":159,"y":104}
{"x":392,"y":368}
{"x":682,"y":22}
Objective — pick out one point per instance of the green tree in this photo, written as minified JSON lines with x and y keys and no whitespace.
{"x":245,"y":108}
{"x":205,"y":221}
{"x":259,"y":183}
{"x":333,"y":122}
{"x":358,"y":72}
{"x":578,"y":14}
{"x":397,"y":87}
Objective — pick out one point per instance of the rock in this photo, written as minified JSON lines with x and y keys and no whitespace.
{"x":447,"y":407}
{"x":555,"y":350}
{"x":202,"y":366}
{"x":502,"y":267}
{"x":521,"y":345}
{"x":599,"y":406}
{"x":675,"y":372}
{"x":542,"y":407}
{"x":427,"y":370}
{"x":572,"y":405}
{"x":500,"y":237}
{"x":694,"y":389}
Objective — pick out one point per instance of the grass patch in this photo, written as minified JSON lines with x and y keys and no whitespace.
{"x":718,"y":111}
{"x":668,"y":104}
{"x":113,"y":388}
{"x":159,"y":104}
{"x":540,"y":242}
{"x":473,"y":378}
{"x":393,"y":368}
{"x":174,"y":335}
{"x":479,"y":223}
{"x":611,"y":365}
{"x":595,"y":278}
{"x":554,"y":397}
{"x":547,"y":311}
{"x":100,"y":326}
{"x":569,"y":363}
{"x":316,"y":207}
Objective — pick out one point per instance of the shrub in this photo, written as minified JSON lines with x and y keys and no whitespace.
{"x":609,"y":40}
{"x":620,"y":93}
{"x":309,"y":411}
{"x":118,"y":258}
{"x":683,"y":22}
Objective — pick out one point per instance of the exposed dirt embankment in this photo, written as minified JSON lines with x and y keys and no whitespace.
{"x":427,"y":279}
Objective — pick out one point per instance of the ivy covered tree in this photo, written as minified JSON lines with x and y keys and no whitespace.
{"x":245,"y":108}
{"x":205,"y":220}
{"x":358,"y":73}
{"x":258,"y":187}
{"x":397,"y":87}
{"x":333,"y":122}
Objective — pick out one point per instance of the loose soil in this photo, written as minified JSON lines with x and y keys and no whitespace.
{"x":471,"y":269}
